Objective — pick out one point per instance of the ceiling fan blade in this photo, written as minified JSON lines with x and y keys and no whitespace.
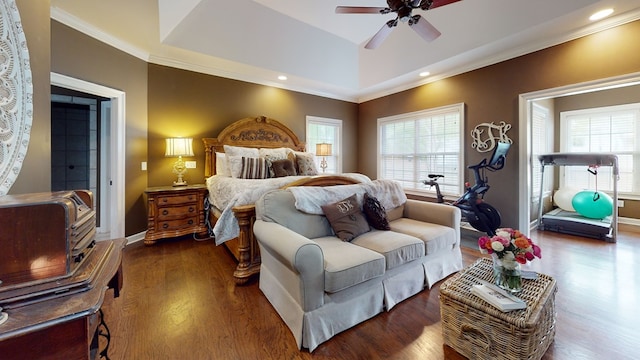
{"x":438,"y":3}
{"x":382,"y":34}
{"x":424,"y":28}
{"x":360,"y":10}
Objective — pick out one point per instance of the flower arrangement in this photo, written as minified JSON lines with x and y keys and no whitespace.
{"x":509,"y":244}
{"x":509,"y":248}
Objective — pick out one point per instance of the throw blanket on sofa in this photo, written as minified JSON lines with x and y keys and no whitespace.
{"x":227,"y":192}
{"x":309,"y":199}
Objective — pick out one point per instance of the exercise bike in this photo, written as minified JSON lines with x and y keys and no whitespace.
{"x":479,"y":214}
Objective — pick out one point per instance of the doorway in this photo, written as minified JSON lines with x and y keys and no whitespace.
{"x":76,"y":144}
{"x":526,"y":158}
{"x":109,"y":157}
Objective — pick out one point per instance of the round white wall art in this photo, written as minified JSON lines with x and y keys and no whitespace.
{"x":16,"y":95}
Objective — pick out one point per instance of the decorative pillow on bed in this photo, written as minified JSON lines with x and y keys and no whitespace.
{"x":254,"y":168}
{"x":280,"y":153}
{"x":222,"y":166}
{"x":375,"y":213}
{"x":282,"y":156}
{"x":346,"y":219}
{"x":283,"y":168}
{"x":234,"y":156}
{"x":241,"y":151}
{"x":306,"y":163}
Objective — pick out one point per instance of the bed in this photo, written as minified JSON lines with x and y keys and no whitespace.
{"x":231,"y":212}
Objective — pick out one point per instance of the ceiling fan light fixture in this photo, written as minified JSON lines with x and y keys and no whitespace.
{"x":601,"y":14}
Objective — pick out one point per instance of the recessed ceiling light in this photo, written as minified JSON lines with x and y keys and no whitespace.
{"x":424,"y":73}
{"x":601,"y":14}
{"x":282,"y":77}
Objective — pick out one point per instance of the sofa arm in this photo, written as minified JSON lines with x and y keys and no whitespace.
{"x":301,"y":256}
{"x":435,"y":213}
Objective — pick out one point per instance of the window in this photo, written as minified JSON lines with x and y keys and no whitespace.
{"x":541,"y":143}
{"x":612,"y":129}
{"x":413,"y":145}
{"x":323,"y":130}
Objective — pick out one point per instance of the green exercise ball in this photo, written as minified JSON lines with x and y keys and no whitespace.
{"x":592,"y":204}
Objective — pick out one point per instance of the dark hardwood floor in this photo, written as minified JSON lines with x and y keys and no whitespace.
{"x":180,"y":302}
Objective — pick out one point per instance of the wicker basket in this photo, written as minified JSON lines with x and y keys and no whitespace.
{"x":477,"y":330}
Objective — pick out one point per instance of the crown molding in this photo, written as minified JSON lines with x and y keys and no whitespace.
{"x":487,"y":55}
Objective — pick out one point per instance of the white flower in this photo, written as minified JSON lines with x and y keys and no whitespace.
{"x":503,"y":234}
{"x":497,"y":246}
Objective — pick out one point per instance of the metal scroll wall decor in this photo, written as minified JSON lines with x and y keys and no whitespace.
{"x":16,"y":95}
{"x":486,"y":135}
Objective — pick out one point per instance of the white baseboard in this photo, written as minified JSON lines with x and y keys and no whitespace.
{"x":629,"y":221}
{"x":136,"y":237}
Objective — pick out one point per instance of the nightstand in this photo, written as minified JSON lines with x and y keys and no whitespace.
{"x":175,"y":211}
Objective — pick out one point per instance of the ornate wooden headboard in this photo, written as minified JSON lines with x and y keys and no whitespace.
{"x":256,"y":132}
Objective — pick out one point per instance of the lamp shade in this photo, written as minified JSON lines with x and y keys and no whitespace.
{"x":179,"y":147}
{"x":323,"y":149}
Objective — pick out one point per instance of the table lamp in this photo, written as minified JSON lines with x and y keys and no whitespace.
{"x":324,"y":150}
{"x":179,"y":147}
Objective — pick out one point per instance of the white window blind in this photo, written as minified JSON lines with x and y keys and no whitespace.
{"x":413,"y":145}
{"x":325,"y":130}
{"x":613,"y":129}
{"x":541,"y":143}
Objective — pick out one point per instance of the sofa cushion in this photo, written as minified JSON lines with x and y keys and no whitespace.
{"x":278,"y":206}
{"x":436,"y":237}
{"x":397,"y":248}
{"x":395,"y":213}
{"x":346,"y":265}
{"x":375,"y":212}
{"x":346,"y":219}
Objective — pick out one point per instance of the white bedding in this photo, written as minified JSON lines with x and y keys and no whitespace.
{"x":227,"y":192}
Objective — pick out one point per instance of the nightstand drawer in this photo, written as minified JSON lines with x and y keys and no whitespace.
{"x":168,"y":213}
{"x":168,"y":200}
{"x":177,"y":223}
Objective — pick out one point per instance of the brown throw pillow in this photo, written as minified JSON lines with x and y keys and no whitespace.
{"x":375,"y":212}
{"x":284,"y":167}
{"x":346,"y":219}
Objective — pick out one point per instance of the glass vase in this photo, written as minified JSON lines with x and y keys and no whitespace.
{"x":507,"y":274}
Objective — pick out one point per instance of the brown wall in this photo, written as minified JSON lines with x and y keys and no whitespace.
{"x":491,"y":94}
{"x":190,"y":104}
{"x":35,"y":22}
{"x":162,"y":101}
{"x":80,"y":56}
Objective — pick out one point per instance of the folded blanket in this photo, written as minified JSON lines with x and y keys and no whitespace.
{"x":310,"y":199}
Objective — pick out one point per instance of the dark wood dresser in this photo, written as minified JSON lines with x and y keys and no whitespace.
{"x":69,"y":323}
{"x":175,"y":211}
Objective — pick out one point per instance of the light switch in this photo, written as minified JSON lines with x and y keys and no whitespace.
{"x":143,"y":166}
{"x":190,"y":164}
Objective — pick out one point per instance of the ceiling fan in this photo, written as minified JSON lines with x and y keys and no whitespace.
{"x":403,"y":8}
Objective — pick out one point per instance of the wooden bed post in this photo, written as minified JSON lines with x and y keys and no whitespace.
{"x":248,"y":251}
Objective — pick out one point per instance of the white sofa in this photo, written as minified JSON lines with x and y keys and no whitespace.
{"x":321,"y":285}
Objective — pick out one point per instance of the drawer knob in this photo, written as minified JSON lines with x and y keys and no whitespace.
{"x":192,"y":209}
{"x":165,"y":212}
{"x":190,"y":221}
{"x":165,"y":225}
